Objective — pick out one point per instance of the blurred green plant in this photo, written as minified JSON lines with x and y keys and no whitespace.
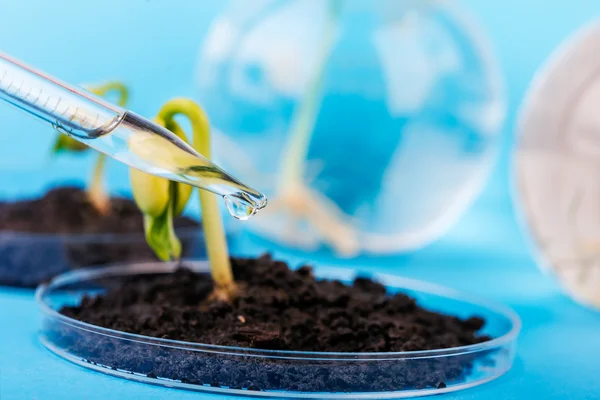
{"x":96,"y":189}
{"x":294,"y":196}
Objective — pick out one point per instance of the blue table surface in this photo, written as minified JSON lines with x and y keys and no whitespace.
{"x":485,"y":253}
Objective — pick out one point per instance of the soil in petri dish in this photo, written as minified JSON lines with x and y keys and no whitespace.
{"x":67,"y":211}
{"x":282,"y":309}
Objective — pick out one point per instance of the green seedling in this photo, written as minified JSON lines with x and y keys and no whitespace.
{"x":96,"y":189}
{"x":160,"y":200}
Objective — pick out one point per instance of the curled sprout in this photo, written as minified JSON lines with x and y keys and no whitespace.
{"x":160,"y":200}
{"x":96,"y":190}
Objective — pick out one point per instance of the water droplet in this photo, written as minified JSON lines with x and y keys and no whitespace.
{"x":241,"y":206}
{"x":238,"y":209}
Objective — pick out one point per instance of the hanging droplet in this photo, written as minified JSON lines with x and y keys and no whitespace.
{"x":240,"y":206}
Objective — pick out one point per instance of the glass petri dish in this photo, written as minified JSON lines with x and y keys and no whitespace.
{"x":371,"y":126}
{"x":277,"y":374}
{"x":28,"y":259}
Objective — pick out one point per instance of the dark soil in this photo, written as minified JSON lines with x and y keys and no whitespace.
{"x":283,"y":310}
{"x":67,"y":210}
{"x":76,"y":235}
{"x":278,"y":309}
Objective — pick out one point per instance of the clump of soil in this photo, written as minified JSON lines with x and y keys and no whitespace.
{"x":63,"y":213}
{"x":277,"y":309}
{"x":66,"y":210}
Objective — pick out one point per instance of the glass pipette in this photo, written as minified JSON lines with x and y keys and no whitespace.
{"x":121,"y":134}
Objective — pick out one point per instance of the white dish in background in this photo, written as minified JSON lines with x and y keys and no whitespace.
{"x":557,"y":165}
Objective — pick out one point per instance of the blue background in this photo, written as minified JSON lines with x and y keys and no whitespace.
{"x":486,"y":252}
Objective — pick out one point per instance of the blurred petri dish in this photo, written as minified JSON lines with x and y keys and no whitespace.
{"x":277,"y":374}
{"x":387,"y":152}
{"x":556,"y":164}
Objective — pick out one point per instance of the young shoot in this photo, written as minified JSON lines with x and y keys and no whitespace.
{"x":160,"y":200}
{"x":96,"y":190}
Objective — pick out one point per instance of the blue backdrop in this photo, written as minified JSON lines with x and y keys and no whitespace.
{"x":485,"y":252}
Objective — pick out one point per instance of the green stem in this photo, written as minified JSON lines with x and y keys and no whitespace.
{"x":214,"y":233}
